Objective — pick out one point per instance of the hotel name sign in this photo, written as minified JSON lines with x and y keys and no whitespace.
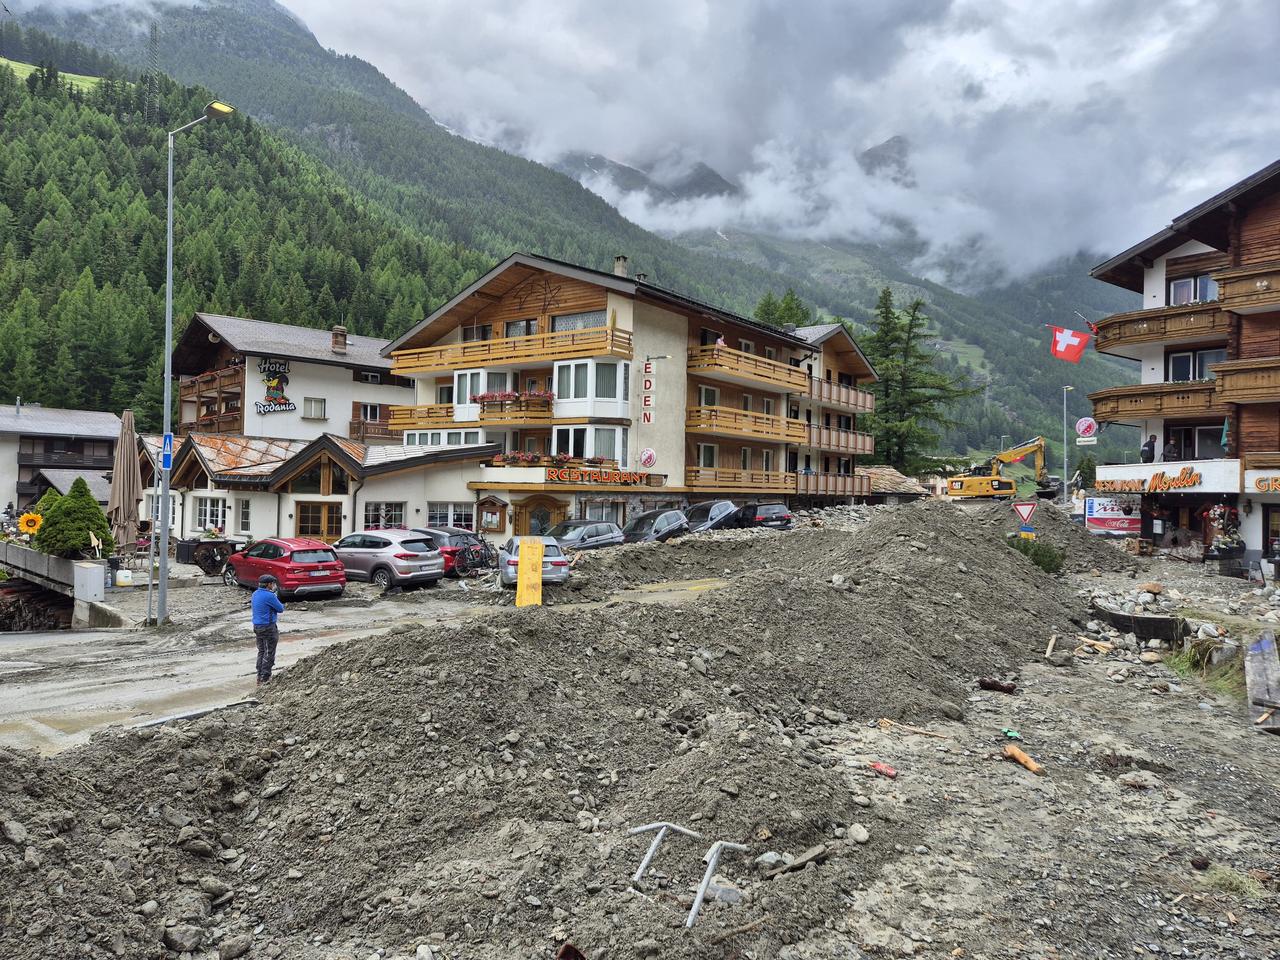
{"x":589,"y":475}
{"x":1185,"y":479}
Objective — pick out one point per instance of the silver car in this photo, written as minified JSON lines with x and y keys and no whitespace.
{"x":555,"y":566}
{"x":391,"y":558}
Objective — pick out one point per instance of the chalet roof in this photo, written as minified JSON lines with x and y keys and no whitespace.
{"x":816,"y":333}
{"x":61,"y":480}
{"x":284,"y":340}
{"x":35,"y":420}
{"x":1209,"y":222}
{"x":887,"y":480}
{"x":232,"y":455}
{"x":628,"y":286}
{"x":819,"y":333}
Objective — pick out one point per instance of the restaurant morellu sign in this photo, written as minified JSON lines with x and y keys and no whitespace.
{"x":1161,"y":482}
{"x":594,"y":475}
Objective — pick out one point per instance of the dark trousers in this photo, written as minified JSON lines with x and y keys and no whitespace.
{"x":268,"y":637}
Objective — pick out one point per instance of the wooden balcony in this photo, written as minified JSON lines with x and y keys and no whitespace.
{"x":541,"y":348}
{"x":1262,"y":460}
{"x":63,"y":458}
{"x":523,"y":411}
{"x":1248,"y":381}
{"x":212,"y":383}
{"x":1194,"y":399}
{"x":746,"y":481}
{"x":832,"y":394}
{"x":1193,"y":321}
{"x":842,"y":441}
{"x":427,"y":416}
{"x":229,"y":421}
{"x":729,"y":422}
{"x":1251,"y":289}
{"x":832,"y":484}
{"x":517,"y":460}
{"x":367,"y":431}
{"x":738,"y":366}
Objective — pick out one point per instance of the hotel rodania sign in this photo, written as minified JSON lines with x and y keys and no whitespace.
{"x":275,"y":377}
{"x":1161,"y":482}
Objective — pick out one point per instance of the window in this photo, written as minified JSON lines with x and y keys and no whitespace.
{"x":626,"y":382}
{"x":456,"y":438}
{"x":210,"y":512}
{"x":606,"y":381}
{"x":793,"y":411}
{"x":844,"y":467}
{"x":466,"y":384}
{"x":1205,"y":359}
{"x":767,"y":461}
{"x":313,"y":408}
{"x":1271,"y":529}
{"x":1192,"y":290}
{"x":606,"y":443}
{"x":571,"y":440}
{"x":153,"y":508}
{"x":370,"y":412}
{"x":579,"y":321}
{"x":768,"y":406}
{"x":308,"y":481}
{"x":746,"y":402}
{"x":708,"y":397}
{"x":610,"y":510}
{"x":793,"y":461}
{"x":1209,"y":443}
{"x":844,"y":379}
{"x":521,"y":328}
{"x":481,"y":331}
{"x":451,"y":515}
{"x":438,"y":514}
{"x":495,"y":382}
{"x":571,"y":380}
{"x":383,"y":515}
{"x":844,"y":421}
{"x":444,"y":393}
{"x":530,"y":384}
{"x":1186,"y":365}
{"x":746,"y":458}
{"x":708,"y":337}
{"x":707,"y":455}
{"x":770,"y":353}
{"x":622,"y":460}
{"x":337,"y":479}
{"x":746,"y":346}
{"x":242,"y":516}
{"x":464,"y":515}
{"x":368,"y":376}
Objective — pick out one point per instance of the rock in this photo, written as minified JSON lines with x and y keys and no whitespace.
{"x":1146,"y":598}
{"x":724,"y":891}
{"x":234,"y":947}
{"x":14,"y":832}
{"x":1150,"y":656}
{"x":1207,"y":631}
{"x":951,"y":711}
{"x":862,"y":801}
{"x":858,"y":833}
{"x":424,"y":952}
{"x":1153,"y":586}
{"x":213,"y":886}
{"x":149,"y":908}
{"x":647,"y":948}
{"x":698,"y":664}
{"x":294,"y":874}
{"x":111,"y":822}
{"x":1200,"y":863}
{"x":1139,"y":779}
{"x":183,"y":938}
{"x":769,"y":859}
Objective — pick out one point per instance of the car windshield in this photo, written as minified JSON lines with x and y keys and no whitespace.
{"x":642,"y":524}
{"x":311,"y":556}
{"x":417,"y":546}
{"x":548,"y":549}
{"x":567,"y":530}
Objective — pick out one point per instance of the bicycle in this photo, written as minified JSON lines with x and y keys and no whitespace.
{"x":475,"y":557}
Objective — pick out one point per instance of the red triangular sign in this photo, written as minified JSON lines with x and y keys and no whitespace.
{"x":1025,"y":511}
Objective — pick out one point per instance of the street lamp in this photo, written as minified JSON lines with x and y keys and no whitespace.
{"x":1065,"y":478}
{"x":1003,"y":438}
{"x":216,"y":110}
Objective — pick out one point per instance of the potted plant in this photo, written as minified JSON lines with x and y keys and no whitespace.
{"x":562,"y":458}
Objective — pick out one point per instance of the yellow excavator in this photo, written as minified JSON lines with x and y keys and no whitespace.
{"x":985,"y":480}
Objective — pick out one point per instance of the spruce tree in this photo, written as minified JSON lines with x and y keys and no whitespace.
{"x":69,"y":522}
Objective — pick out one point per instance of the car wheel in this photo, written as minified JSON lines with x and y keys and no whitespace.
{"x":382,"y":578}
{"x":229,"y":576}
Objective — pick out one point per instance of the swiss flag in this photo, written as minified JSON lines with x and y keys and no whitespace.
{"x":1068,"y":344}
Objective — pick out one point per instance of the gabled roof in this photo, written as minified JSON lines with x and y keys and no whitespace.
{"x":284,"y":340}
{"x":33,"y":419}
{"x":819,"y":333}
{"x":61,"y":480}
{"x":1209,"y":222}
{"x":628,"y":286}
{"x":887,"y":480}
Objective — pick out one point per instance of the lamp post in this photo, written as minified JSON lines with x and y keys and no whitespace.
{"x":216,"y":110}
{"x":1003,"y":438}
{"x":1065,"y":478}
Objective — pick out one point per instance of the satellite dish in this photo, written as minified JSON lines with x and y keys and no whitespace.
{"x":214,"y":338}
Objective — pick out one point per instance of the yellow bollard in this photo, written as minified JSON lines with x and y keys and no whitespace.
{"x":529,"y":573}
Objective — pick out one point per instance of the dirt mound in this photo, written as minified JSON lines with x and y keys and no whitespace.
{"x":1084,"y":551}
{"x":469,"y":788}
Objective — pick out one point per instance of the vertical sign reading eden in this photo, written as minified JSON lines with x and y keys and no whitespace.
{"x":646,"y":393}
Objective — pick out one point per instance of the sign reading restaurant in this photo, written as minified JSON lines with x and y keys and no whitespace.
{"x":1160,"y":482}
{"x":578,"y":475}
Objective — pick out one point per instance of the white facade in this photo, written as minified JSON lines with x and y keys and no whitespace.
{"x":1154,"y":288}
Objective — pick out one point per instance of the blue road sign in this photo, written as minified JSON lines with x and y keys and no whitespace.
{"x":166,"y":453}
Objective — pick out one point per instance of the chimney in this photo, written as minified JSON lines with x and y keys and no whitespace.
{"x":620,"y":265}
{"x":642,"y":277}
{"x":17,"y":406}
{"x":788,"y":328}
{"x":339,"y":344}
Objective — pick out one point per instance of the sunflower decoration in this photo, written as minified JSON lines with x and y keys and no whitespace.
{"x":29,"y":523}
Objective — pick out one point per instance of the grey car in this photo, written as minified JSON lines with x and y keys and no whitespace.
{"x":391,"y":558}
{"x":555,"y":566}
{"x":586,"y":534}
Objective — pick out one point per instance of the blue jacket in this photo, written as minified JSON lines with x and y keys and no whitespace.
{"x":265,"y":607}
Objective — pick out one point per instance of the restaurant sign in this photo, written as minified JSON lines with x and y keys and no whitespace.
{"x":1160,"y":482}
{"x":590,"y":475}
{"x":275,"y":377}
{"x":1266,"y":484}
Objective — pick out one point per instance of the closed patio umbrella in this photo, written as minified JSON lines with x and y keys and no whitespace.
{"x":126,"y":486}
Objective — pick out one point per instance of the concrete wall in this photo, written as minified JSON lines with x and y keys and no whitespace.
{"x":8,"y":469}
{"x":659,"y":332}
{"x":334,"y":384}
{"x":1154,"y":290}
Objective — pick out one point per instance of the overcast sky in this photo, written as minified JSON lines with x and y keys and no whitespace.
{"x":1036,"y":128}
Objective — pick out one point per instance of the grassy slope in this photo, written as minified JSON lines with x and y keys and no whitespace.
{"x":23,"y":70}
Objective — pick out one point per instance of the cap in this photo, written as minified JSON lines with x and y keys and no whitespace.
{"x":266,"y":580}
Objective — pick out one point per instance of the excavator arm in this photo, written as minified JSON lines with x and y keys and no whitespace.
{"x":987,"y":481}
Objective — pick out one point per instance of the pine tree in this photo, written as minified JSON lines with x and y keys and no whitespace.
{"x":69,"y":522}
{"x":767,"y":309}
{"x":794,"y":311}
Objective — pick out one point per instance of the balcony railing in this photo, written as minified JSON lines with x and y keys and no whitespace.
{"x":728,"y":422}
{"x":843,"y":441}
{"x":734,"y":364}
{"x":1248,"y":381}
{"x":422,"y":417}
{"x":832,"y":484}
{"x":1194,"y":321}
{"x":540,"y":348}
{"x":224,"y":380}
{"x":768,"y":481}
{"x":1195,"y":398}
{"x":838,"y":395}
{"x":534,"y":411}
{"x":64,"y":458}
{"x":1251,"y":289}
{"x":365,"y":430}
{"x":518,"y":460}
{"x":229,"y":421}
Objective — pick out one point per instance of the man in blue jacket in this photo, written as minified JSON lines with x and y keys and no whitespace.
{"x":266,"y":607}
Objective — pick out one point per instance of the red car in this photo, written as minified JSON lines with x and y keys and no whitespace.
{"x":302,"y":566}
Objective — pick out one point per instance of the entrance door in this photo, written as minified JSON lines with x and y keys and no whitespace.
{"x":535,"y":516}
{"x":320,"y":521}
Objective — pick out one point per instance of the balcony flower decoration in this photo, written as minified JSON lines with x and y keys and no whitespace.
{"x":562,"y":458}
{"x":29,"y":524}
{"x":522,"y":456}
{"x":1226,"y":519}
{"x":539,"y":395}
{"x":495,"y":396}
{"x":594,"y":461}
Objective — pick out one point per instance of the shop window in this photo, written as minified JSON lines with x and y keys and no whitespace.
{"x":1271,"y":529}
{"x":464,"y":515}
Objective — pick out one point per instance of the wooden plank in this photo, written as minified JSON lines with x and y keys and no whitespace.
{"x":1262,"y":680}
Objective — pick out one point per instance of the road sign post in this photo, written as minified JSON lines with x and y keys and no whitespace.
{"x":1025,"y":510}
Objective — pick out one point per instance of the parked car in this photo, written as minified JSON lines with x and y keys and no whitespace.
{"x":586,"y":534}
{"x":449,"y":541}
{"x":776,"y":515}
{"x":302,"y":566}
{"x":711,"y":515}
{"x":555,"y":566}
{"x":655,"y":525}
{"x":391,"y":558}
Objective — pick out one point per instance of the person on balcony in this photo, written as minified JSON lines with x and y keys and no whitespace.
{"x":1148,"y":452}
{"x":1171,"y":452}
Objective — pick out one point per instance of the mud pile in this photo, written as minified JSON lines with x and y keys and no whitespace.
{"x":1084,"y":551}
{"x":465,"y":791}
